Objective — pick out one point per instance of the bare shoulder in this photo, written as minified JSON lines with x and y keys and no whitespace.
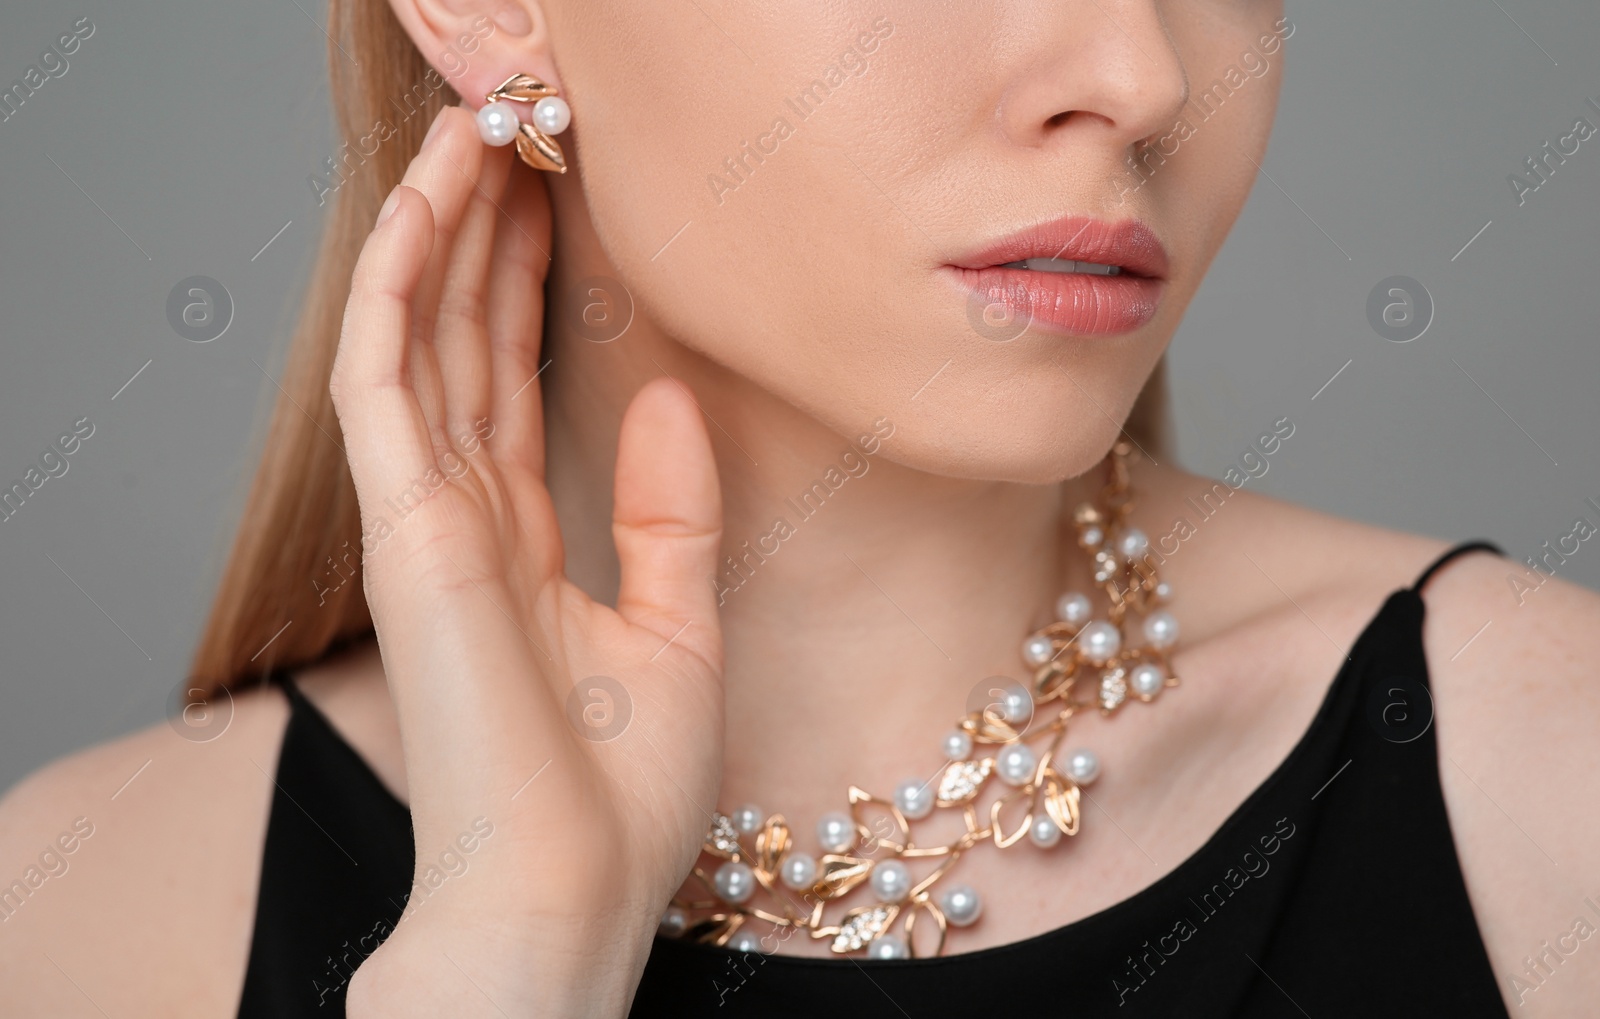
{"x":128,"y":871}
{"x":1511,"y":656}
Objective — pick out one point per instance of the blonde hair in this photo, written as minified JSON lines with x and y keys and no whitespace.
{"x":301,"y":520}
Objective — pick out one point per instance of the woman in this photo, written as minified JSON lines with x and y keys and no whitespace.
{"x":848,"y":307}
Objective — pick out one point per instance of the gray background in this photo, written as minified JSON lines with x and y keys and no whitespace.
{"x":180,"y":140}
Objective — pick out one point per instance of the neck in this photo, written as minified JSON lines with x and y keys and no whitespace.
{"x":862,"y":600}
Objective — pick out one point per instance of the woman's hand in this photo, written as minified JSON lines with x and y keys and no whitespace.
{"x":483,"y":637}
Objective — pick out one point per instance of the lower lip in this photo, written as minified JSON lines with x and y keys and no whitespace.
{"x":1082,"y":304}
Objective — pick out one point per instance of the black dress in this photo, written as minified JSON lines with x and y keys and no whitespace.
{"x":1332,"y":891}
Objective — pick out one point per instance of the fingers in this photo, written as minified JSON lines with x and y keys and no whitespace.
{"x":446,"y":173}
{"x":386,"y":435}
{"x":517,"y":272}
{"x":460,"y":339}
{"x":667,"y":519}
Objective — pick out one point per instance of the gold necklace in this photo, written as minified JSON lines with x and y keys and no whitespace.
{"x":1077,"y":662}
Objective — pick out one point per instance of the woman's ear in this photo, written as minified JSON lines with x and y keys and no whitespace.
{"x":477,"y":44}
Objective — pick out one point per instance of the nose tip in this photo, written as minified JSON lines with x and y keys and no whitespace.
{"x":1113,"y":67}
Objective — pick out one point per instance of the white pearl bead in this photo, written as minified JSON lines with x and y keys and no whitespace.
{"x":1073,"y":608}
{"x":1043,"y":832}
{"x":497,"y":123}
{"x":799,"y":871}
{"x":748,"y":818}
{"x":1161,"y":629}
{"x":1038,"y":650}
{"x":1146,"y":680}
{"x":960,"y":905}
{"x":891,"y":881}
{"x":1083,"y":766}
{"x":957,"y":744}
{"x":836,"y":832}
{"x":1015,"y":704}
{"x":888,"y":946}
{"x":744,"y":941}
{"x":914,"y":797}
{"x":552,"y":114}
{"x":1093,"y":536}
{"x":673,"y":922}
{"x":1016,"y":763}
{"x":1099,"y":641}
{"x":1163,"y":591}
{"x":734,"y":882}
{"x":1133,"y":543}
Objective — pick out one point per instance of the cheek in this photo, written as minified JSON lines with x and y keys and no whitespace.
{"x":771,"y":199}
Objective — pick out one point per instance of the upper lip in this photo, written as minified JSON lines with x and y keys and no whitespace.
{"x":1128,"y":244}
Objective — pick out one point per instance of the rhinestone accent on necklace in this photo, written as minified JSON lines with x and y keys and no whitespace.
{"x":759,"y":877}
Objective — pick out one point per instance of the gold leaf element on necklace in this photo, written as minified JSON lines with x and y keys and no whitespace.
{"x":771,"y":843}
{"x":1113,"y":688}
{"x":837,"y":874}
{"x":715,"y":929}
{"x":1023,"y":795}
{"x":937,"y":873}
{"x":962,"y":780}
{"x":722,"y":839}
{"x":861,"y":926}
{"x":1061,"y":796}
{"x":989,"y":727}
{"x":858,"y":798}
{"x":909,"y":927}
{"x":1054,"y":679}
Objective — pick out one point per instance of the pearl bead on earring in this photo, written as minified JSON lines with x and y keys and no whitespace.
{"x":497,"y":123}
{"x":552,"y":115}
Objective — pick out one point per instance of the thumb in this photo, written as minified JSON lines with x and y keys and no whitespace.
{"x":666,"y":519}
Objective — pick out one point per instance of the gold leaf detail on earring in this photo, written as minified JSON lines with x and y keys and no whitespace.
{"x":521,"y":88}
{"x":539,"y":150}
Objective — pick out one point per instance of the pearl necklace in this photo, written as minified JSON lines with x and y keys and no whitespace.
{"x":1077,"y":662}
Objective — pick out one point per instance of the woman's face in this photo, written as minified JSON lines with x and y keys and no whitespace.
{"x":793,"y":188}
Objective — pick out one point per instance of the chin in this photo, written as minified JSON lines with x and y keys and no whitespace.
{"x":1040,"y":448}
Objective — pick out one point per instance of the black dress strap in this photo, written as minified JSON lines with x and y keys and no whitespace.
{"x":1464,"y":547}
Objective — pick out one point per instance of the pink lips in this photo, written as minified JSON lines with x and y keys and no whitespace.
{"x":1079,"y":303}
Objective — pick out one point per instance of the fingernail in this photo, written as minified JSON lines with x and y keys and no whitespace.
{"x":433,"y":130}
{"x":389,"y":205}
